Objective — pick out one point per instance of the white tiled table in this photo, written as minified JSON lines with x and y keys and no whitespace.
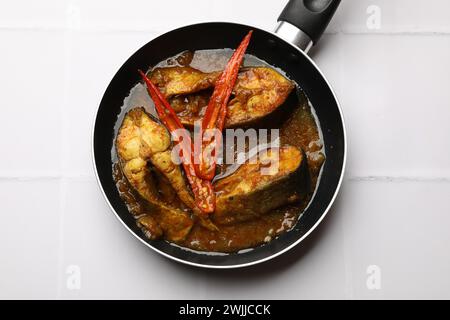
{"x":57,"y":58}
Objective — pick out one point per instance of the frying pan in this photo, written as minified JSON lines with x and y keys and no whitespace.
{"x":300,"y":26}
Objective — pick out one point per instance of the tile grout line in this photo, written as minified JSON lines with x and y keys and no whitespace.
{"x":68,"y":177}
{"x":100,"y":29}
{"x":349,"y":293}
{"x":71,"y":19}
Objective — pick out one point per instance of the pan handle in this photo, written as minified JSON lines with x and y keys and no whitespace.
{"x":303,"y":22}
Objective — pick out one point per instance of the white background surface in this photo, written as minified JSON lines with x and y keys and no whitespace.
{"x":57,"y":58}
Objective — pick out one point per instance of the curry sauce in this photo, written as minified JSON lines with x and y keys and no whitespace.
{"x":298,"y":128}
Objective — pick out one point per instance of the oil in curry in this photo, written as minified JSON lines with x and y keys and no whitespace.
{"x":251,"y":209}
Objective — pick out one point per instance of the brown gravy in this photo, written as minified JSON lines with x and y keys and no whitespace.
{"x":298,"y":127}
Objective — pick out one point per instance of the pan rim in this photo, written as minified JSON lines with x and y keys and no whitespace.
{"x":276,"y":254}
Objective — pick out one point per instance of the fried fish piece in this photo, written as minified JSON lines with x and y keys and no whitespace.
{"x":150,"y":226}
{"x":173,"y":81}
{"x":271,"y":179}
{"x":142,"y":139}
{"x":134,"y":149}
{"x":258,"y":92}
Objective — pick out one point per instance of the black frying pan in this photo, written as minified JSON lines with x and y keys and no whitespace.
{"x":301,"y":23}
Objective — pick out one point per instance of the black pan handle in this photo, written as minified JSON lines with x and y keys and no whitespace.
{"x":309,"y":16}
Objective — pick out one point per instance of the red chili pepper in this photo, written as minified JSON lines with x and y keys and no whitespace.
{"x":216,"y":111}
{"x":202,"y":189}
